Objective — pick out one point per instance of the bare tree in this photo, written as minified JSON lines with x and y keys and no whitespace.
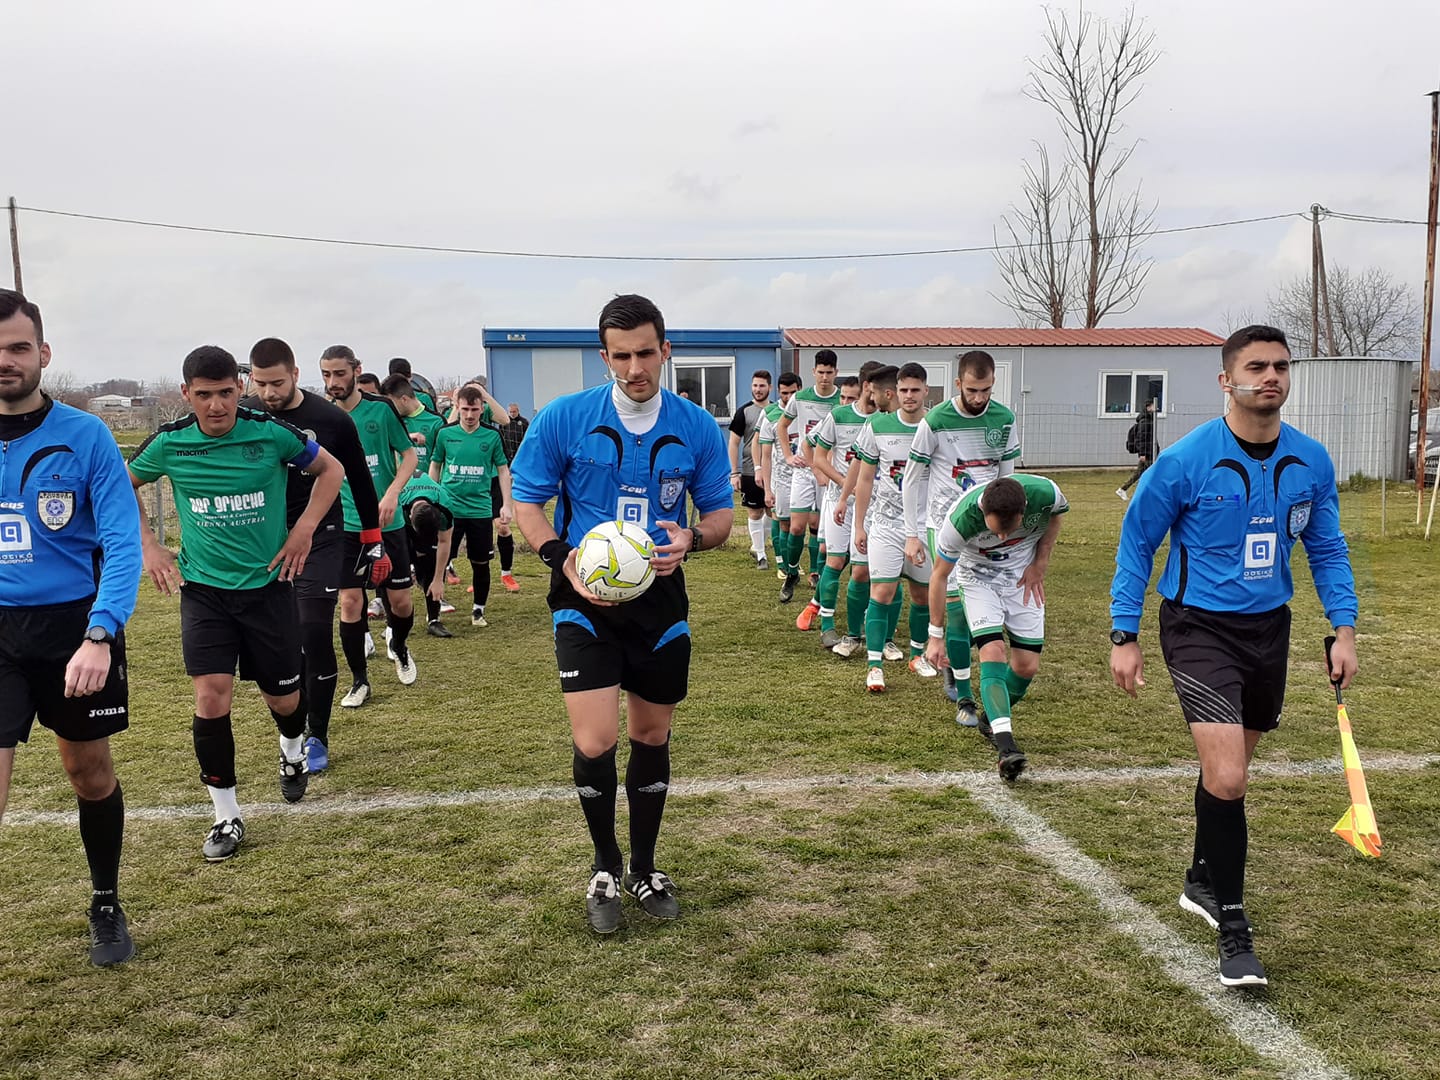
{"x":169,"y":407}
{"x":61,"y":384}
{"x":1088,"y":75}
{"x":1374,"y":315}
{"x":1039,"y":264}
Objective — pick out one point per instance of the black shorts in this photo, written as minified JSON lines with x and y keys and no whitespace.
{"x":254,"y":629}
{"x":320,"y":580}
{"x":1227,"y":668}
{"x":479,"y":537}
{"x":752,"y":495}
{"x":397,"y":546}
{"x":643,"y":644}
{"x":36,"y":644}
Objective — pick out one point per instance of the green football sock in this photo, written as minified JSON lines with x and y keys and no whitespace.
{"x":857,"y":603}
{"x":995,"y":693}
{"x":877,"y":618}
{"x":814,"y":553}
{"x":893,"y":619}
{"x":775,"y":540}
{"x":827,"y":593}
{"x":957,"y":639}
{"x":797,"y":549}
{"x":919,"y":627}
{"x":1015,"y":684}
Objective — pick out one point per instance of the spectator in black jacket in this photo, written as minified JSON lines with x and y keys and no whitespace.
{"x":1143,"y":446}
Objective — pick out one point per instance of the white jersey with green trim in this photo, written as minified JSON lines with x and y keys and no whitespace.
{"x":806,"y":409}
{"x":980,"y":555}
{"x":837,"y":433}
{"x":954,"y":451}
{"x":884,"y":442}
{"x":779,"y":468}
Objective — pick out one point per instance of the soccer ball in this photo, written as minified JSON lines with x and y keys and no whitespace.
{"x":614,"y":560}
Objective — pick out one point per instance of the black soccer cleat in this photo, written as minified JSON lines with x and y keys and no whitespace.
{"x":437,"y":629}
{"x":787,"y":591}
{"x":110,"y":941}
{"x":294,"y":778}
{"x":1011,"y":759}
{"x":602,"y":902}
{"x":1239,"y":966}
{"x":1198,"y":898}
{"x":655,"y":893}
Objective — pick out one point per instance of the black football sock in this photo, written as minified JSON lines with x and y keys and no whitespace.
{"x":481,"y":573}
{"x":596,"y":783}
{"x":317,"y":639}
{"x":215,"y":750}
{"x":400,"y":627}
{"x":432,"y":608}
{"x":102,"y":829}
{"x":1224,"y":840}
{"x":1197,"y":860}
{"x":352,"y":642}
{"x":506,"y":546}
{"x":647,"y":782}
{"x":293,"y":725}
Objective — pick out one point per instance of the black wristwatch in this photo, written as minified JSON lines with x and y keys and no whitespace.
{"x":696,"y":539}
{"x":1122,"y":637}
{"x":100,"y":636}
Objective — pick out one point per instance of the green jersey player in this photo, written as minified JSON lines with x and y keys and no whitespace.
{"x":999,"y":537}
{"x":967,"y":440}
{"x":228,"y":467}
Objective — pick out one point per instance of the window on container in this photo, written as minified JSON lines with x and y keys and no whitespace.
{"x":1124,"y":393}
{"x":937,"y":382}
{"x":707,"y":381}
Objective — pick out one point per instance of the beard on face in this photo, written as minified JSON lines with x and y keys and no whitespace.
{"x":23,"y":389}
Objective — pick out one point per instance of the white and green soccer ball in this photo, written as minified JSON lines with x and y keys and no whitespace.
{"x":614,"y":560}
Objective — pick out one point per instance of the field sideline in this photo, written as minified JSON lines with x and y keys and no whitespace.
{"x":861,"y":896}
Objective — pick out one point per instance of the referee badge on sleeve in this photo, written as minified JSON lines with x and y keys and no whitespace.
{"x":55,"y":508}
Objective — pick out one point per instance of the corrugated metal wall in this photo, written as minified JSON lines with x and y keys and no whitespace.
{"x":1359,"y":408}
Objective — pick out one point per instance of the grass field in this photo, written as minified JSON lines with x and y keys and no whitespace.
{"x":860,"y":897}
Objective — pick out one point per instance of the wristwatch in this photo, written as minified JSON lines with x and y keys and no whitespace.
{"x":1122,"y":637}
{"x":100,"y":636}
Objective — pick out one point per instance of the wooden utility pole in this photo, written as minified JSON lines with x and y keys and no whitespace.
{"x":1428,"y":316}
{"x":15,"y":246}
{"x":1325,"y":293}
{"x":1315,"y":279}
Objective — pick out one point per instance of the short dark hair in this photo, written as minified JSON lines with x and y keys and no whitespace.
{"x":913,"y":370}
{"x":1004,"y":498}
{"x":400,"y":366}
{"x":761,"y":373}
{"x":397,"y":386}
{"x":1248,"y":335}
{"x":884,"y":377}
{"x":977,"y":362}
{"x":826,"y":358}
{"x":13,"y":303}
{"x":210,"y":362}
{"x":849,"y":380}
{"x":271,"y":352}
{"x":789,"y":378}
{"x":425,"y":521}
{"x":366,"y":378}
{"x":470,"y":394}
{"x":340,"y":352}
{"x":868,"y":368}
{"x":630,"y":312}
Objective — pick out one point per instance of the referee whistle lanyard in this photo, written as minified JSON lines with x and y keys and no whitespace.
{"x":1358,"y":827}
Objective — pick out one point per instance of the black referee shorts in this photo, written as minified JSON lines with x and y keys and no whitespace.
{"x":642,"y":644}
{"x":254,"y":629}
{"x":36,"y":644}
{"x":752,"y":496}
{"x":1227,"y":668}
{"x":397,"y":546}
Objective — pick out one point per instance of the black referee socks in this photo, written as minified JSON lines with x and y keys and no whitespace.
{"x":647,"y":782}
{"x":1224,"y":841}
{"x":596,"y":783}
{"x":102,"y":829}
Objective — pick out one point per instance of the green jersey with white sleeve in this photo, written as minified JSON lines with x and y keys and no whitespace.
{"x":980,"y":555}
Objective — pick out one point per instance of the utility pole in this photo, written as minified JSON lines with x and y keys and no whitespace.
{"x":1315,"y":279}
{"x":15,"y":246}
{"x":1325,"y":292}
{"x":1428,"y":316}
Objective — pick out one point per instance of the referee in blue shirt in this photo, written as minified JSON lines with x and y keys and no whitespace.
{"x":1234,"y":495}
{"x":632,"y":452}
{"x":69,"y":573}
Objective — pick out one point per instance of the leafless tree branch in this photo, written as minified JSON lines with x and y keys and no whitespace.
{"x":1374,"y":314}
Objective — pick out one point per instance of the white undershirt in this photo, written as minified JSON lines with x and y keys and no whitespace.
{"x":637,"y":416}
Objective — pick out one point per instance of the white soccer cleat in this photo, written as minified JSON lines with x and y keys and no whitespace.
{"x":358,"y":695}
{"x":892,"y":652}
{"x":848,"y":647}
{"x":875,"y":680}
{"x":369,"y":645}
{"x":922,"y":667}
{"x":376,"y":610}
{"x":389,"y":651}
{"x":405,"y":669}
{"x":1124,"y":495}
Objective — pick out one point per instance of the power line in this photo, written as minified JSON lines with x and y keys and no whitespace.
{"x":436,"y":249}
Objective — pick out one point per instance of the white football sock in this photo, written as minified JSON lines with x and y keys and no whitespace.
{"x":226,"y":806}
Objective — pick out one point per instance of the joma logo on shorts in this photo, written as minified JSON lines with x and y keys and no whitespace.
{"x":117,"y":710}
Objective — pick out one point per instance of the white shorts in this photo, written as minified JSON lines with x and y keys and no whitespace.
{"x":780,"y":485}
{"x":887,"y":555}
{"x":804,"y":498}
{"x":836,"y":537}
{"x":991,"y":606}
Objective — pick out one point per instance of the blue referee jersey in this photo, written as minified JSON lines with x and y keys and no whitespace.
{"x":1232,"y":522}
{"x":68,"y":519}
{"x":579,"y":453}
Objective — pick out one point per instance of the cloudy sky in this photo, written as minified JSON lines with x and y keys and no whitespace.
{"x":749,"y":127}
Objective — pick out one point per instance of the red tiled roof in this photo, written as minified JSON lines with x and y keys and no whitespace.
{"x":960,"y":337}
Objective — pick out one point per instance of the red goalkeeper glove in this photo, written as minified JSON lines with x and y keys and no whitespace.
{"x":373,"y":562}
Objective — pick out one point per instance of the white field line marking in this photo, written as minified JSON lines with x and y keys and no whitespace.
{"x":1248,"y":1020}
{"x":922,"y":781}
